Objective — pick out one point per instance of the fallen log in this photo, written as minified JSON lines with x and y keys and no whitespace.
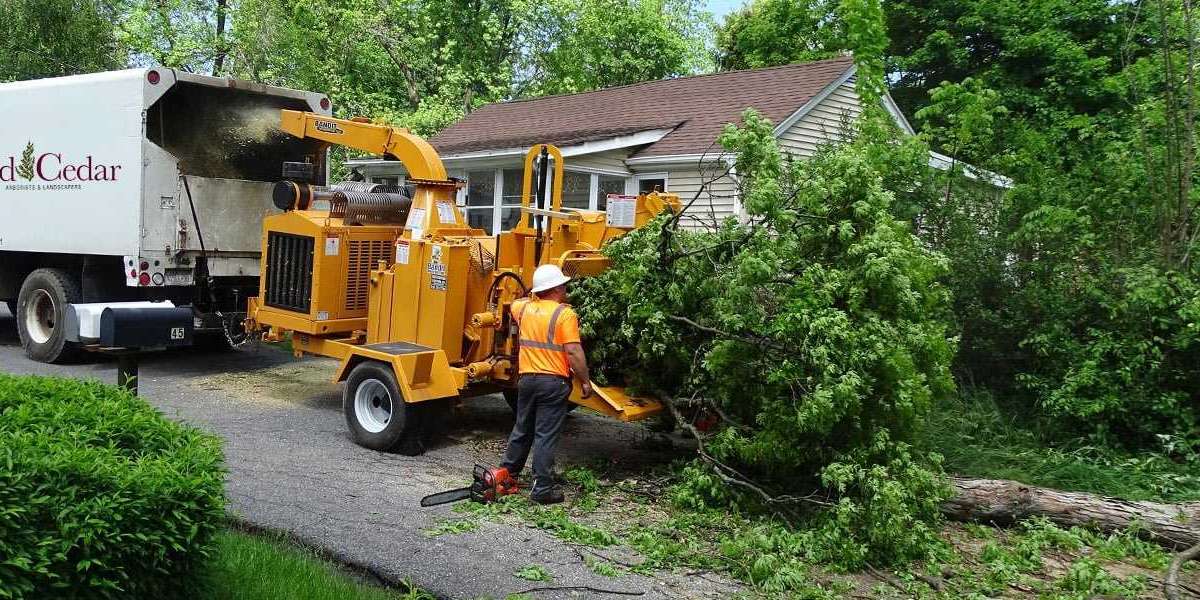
{"x":1003,"y":502}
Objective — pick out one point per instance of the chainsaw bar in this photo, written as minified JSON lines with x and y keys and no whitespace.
{"x":446,"y":497}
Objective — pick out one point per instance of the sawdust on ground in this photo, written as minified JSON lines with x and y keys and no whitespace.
{"x":303,"y":382}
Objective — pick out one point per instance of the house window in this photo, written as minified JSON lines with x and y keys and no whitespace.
{"x":492,"y":199}
{"x":576,"y":190}
{"x":649,"y":182}
{"x":605,"y":185}
{"x":510,"y":201}
{"x":481,"y":199}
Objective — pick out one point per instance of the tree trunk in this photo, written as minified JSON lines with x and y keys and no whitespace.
{"x":222,"y":48}
{"x":1004,"y":502}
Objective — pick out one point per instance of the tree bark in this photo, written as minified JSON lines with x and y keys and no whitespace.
{"x":222,"y":48}
{"x":1003,"y":502}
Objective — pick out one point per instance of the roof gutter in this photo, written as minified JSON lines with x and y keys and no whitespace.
{"x":639,"y":138}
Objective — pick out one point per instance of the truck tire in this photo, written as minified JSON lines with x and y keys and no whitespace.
{"x":41,"y":314}
{"x":376,"y":413}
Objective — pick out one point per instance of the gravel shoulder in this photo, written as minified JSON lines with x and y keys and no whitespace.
{"x":293,"y":468}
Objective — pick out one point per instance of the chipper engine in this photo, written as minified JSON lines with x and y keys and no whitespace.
{"x":411,"y":300}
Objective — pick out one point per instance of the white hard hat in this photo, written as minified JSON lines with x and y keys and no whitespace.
{"x":548,"y":277}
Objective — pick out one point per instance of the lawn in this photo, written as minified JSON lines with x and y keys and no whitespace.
{"x":253,"y":567}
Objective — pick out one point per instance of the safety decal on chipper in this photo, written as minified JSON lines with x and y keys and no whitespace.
{"x":402,"y":252}
{"x":437,"y":269}
{"x":446,"y":212}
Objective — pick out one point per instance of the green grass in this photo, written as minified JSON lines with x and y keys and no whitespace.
{"x":978,"y":439}
{"x":251,"y":567}
{"x":533,"y":573}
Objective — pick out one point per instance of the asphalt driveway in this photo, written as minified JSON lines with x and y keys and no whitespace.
{"x":293,"y":468}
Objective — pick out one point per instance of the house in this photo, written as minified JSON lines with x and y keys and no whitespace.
{"x":639,"y":137}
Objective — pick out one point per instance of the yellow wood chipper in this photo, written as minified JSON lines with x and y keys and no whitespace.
{"x":411,"y":300}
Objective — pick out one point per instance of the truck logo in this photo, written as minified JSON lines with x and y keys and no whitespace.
{"x":53,"y":167}
{"x":328,"y":127}
{"x":25,"y":169}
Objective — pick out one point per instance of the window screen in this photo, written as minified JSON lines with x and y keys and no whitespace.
{"x":608,"y":184}
{"x":576,"y":189}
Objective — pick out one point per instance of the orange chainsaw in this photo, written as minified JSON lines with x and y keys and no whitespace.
{"x":489,"y":485}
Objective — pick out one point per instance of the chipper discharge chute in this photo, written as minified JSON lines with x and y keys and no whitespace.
{"x":411,"y":300}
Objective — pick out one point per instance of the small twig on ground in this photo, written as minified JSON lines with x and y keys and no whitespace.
{"x":932,"y":582}
{"x":1171,"y":585}
{"x":579,"y":588}
{"x":580,"y":549}
{"x":888,"y":579}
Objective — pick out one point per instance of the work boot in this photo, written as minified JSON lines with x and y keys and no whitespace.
{"x":551,"y":496}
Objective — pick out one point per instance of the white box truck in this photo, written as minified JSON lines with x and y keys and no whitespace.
{"x":138,"y":185}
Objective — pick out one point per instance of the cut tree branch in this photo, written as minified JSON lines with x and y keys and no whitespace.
{"x":1004,"y":502}
{"x":1171,"y":585}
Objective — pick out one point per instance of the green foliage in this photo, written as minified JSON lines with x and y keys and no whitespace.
{"x":102,"y":496}
{"x":48,"y":38}
{"x":602,"y":567}
{"x":818,"y":329}
{"x":251,"y":567}
{"x":1024,"y":554}
{"x":593,"y":44}
{"x":1073,"y":288}
{"x":533,"y":573}
{"x":1126,"y":366}
{"x":767,"y":33}
{"x":980,"y":438}
{"x":452,"y":527}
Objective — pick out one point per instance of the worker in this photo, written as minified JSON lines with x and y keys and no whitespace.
{"x":550,"y":355}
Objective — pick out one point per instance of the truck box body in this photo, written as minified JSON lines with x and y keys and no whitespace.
{"x":92,"y":165}
{"x":95,"y":174}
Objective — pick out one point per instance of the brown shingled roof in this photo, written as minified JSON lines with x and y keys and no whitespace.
{"x":696,"y":108}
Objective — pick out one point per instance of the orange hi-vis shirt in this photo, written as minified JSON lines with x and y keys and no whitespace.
{"x":546,"y":328}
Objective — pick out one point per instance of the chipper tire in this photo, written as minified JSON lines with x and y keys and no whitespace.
{"x":376,"y":413}
{"x":41,"y":314}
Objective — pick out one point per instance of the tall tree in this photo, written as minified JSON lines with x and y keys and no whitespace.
{"x":47,"y":38}
{"x":766,"y":33}
{"x":424,"y":63}
{"x":181,"y":34}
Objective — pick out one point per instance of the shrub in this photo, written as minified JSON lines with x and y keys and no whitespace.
{"x":100,"y":495}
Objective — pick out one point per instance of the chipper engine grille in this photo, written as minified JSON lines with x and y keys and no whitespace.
{"x":289,"y":271}
{"x":364,"y":255}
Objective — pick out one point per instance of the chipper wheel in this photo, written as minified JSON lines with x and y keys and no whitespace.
{"x":377,"y":414}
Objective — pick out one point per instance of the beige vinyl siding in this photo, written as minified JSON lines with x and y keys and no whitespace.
{"x":716,"y":202}
{"x":825,"y":124}
{"x":612,"y":161}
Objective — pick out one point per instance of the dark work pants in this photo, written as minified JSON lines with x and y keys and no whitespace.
{"x":541,"y":409}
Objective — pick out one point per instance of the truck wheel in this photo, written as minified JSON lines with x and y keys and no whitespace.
{"x":41,"y":314}
{"x":376,"y":412}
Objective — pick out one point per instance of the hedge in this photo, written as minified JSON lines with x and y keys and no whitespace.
{"x":100,"y":495}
